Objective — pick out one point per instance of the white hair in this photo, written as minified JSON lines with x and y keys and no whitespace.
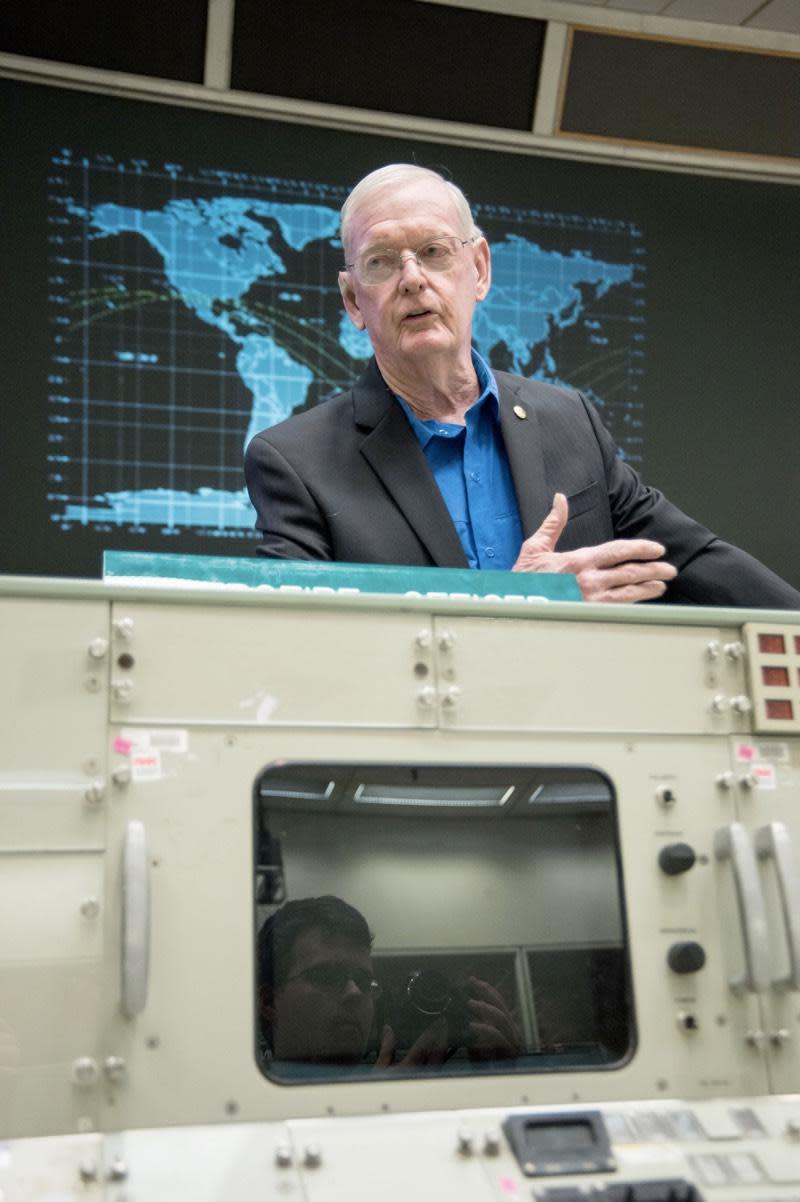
{"x":395,"y":175}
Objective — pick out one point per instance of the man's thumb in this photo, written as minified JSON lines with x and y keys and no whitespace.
{"x":549,"y":532}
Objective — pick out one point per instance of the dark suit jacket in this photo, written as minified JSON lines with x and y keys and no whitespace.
{"x":348,"y":481}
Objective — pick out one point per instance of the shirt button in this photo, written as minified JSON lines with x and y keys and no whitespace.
{"x":474,"y":476}
{"x":489,"y":552}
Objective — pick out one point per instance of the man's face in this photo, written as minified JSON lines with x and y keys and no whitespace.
{"x":415,"y":314}
{"x":324,"y":1010}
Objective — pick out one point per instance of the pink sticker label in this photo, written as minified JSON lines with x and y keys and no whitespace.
{"x":509,"y":1186}
{"x":745,"y":752}
{"x":122,"y":745}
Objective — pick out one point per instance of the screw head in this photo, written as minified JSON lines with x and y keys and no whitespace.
{"x":90,"y":907}
{"x":84,"y":1071}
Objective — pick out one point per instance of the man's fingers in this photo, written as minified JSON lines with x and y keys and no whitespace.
{"x":430,"y":1047}
{"x":649,"y":590}
{"x":635,"y":581}
{"x":619,"y":551}
{"x":386,"y":1050}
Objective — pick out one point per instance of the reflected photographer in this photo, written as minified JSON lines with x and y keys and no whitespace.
{"x":319,"y":1002}
{"x":316,"y":989}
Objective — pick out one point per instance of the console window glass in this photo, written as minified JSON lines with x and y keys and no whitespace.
{"x":430,"y":919}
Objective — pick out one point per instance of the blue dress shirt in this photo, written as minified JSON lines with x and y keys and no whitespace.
{"x":471,"y":468}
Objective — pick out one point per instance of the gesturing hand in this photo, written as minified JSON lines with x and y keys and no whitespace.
{"x":493,"y":1033}
{"x":623,"y":570}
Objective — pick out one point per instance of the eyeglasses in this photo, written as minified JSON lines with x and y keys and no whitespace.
{"x":379,"y":265}
{"x":334,"y":978}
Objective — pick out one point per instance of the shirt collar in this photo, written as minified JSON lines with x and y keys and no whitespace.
{"x":488,"y":396}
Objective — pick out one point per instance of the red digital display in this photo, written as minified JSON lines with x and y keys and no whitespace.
{"x":772,"y":644}
{"x":776,"y":676}
{"x":779,"y":709}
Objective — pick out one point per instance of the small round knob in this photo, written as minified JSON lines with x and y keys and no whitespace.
{"x":283,"y":1156}
{"x":84,"y":1071}
{"x":424,"y":639}
{"x":98,"y":647}
{"x":676,"y":858}
{"x":665,"y":795}
{"x":118,"y":1169}
{"x":446,"y":640}
{"x":725,"y":780}
{"x":114,"y":1068}
{"x":94,"y":792}
{"x":466,"y":1143}
{"x":734,"y":651}
{"x":741,"y":704}
{"x":427,"y":696}
{"x":686,"y":956}
{"x":451,"y":695}
{"x":123,"y":628}
{"x":748,"y":781}
{"x":491,"y":1143}
{"x":122,"y":691}
{"x":312,"y":1156}
{"x":712,"y":649}
{"x":719,"y":703}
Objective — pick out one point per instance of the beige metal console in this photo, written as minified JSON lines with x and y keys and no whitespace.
{"x":135,"y":723}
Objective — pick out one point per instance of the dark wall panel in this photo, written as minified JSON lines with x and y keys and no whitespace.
{"x":679,"y":94}
{"x":162,"y":38}
{"x":396,"y":56}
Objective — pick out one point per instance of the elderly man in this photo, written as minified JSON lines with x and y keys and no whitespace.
{"x":433,"y":459}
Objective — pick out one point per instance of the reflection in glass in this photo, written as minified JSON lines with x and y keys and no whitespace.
{"x":437,"y":919}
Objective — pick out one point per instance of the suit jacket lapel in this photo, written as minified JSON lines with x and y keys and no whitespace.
{"x":394,"y":454}
{"x":522,"y":437}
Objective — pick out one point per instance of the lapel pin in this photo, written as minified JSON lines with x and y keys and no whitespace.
{"x":520,"y":412}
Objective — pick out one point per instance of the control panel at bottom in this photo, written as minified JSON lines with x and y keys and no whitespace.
{"x":665,"y":1150}
{"x":633,"y":1191}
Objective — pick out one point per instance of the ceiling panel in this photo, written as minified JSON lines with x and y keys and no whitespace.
{"x":780,"y":15}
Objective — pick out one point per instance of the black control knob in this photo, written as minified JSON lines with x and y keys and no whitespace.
{"x":676,"y":858}
{"x":687,"y":956}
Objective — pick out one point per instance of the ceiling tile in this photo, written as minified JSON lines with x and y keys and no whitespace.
{"x":720,"y":12}
{"x":783,"y":15}
{"x":638,"y":6}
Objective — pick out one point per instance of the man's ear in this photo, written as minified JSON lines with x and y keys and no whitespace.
{"x":483,"y":268}
{"x":350,"y":302}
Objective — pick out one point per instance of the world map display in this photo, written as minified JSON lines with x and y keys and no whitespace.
{"x":192,"y":309}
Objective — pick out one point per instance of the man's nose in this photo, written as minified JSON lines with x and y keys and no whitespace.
{"x":411,"y":274}
{"x":352,"y":990}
